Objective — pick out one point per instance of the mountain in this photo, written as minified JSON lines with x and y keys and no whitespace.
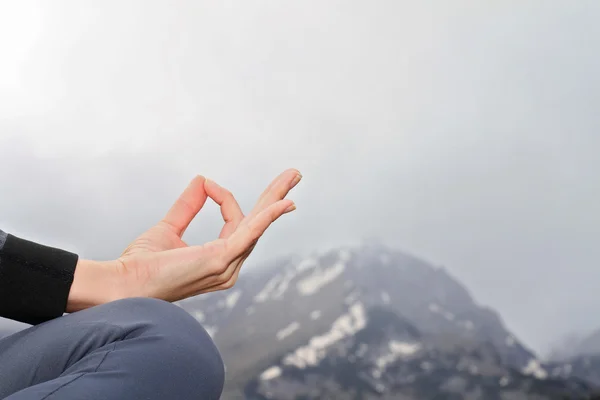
{"x":390,"y":359}
{"x":565,"y":348}
{"x":368,"y":322}
{"x":576,"y":345}
{"x":578,"y":357}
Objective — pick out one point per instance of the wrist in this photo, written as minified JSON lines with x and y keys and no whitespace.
{"x":93,"y":284}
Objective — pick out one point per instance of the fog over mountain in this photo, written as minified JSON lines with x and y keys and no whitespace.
{"x":463,"y":132}
{"x":369,"y":322}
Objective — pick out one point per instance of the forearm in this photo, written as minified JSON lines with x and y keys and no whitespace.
{"x":93,"y":284}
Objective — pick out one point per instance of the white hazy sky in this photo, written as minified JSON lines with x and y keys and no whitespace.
{"x":466,"y":132}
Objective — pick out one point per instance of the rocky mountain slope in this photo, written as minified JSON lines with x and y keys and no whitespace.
{"x":390,"y":359}
{"x":579,"y":357}
{"x":368,"y":322}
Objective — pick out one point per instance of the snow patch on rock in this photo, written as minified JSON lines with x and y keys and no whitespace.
{"x":319,"y":279}
{"x":211,"y":330}
{"x":397,"y":350}
{"x":306,"y":264}
{"x":232,"y":299}
{"x":437,"y":309}
{"x":199,"y":315}
{"x":283,"y":285}
{"x":346,"y":325}
{"x":264,"y":294}
{"x":534,"y":368}
{"x":270,"y":373}
{"x":288,"y":330}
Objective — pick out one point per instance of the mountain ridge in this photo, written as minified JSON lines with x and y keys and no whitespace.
{"x":293,"y":304}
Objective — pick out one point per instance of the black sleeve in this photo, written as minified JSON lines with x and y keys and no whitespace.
{"x":35,"y":280}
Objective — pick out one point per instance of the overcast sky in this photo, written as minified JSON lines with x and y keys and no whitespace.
{"x":465,"y":132}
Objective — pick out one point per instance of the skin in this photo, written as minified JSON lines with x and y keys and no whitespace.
{"x":161,"y":265}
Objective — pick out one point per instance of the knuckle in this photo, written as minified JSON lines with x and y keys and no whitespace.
{"x":229,"y":284}
{"x":255,"y":233}
{"x":222,"y":269}
{"x":218,"y":268}
{"x":250,"y":232}
{"x":227,"y":194}
{"x":225,"y":275}
{"x":185,"y":204}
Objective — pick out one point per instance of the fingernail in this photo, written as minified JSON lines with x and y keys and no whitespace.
{"x":296,"y":180}
{"x":290,"y":208}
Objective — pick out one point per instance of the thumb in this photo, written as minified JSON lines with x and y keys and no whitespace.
{"x":187,"y":206}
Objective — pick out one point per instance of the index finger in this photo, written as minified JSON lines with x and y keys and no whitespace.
{"x":277,"y":190}
{"x":230,"y":209}
{"x":248,"y":233}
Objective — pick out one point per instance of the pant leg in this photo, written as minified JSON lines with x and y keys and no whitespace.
{"x":136,"y":348}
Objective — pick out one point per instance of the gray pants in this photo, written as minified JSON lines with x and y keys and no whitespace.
{"x":129,"y":349}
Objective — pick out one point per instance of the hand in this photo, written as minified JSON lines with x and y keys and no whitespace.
{"x":160,"y":264}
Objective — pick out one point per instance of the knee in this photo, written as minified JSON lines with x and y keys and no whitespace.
{"x":147,"y":308}
{"x":179,"y":342}
{"x":153,"y":313}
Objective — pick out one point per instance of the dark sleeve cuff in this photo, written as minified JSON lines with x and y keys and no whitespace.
{"x":35,"y":280}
